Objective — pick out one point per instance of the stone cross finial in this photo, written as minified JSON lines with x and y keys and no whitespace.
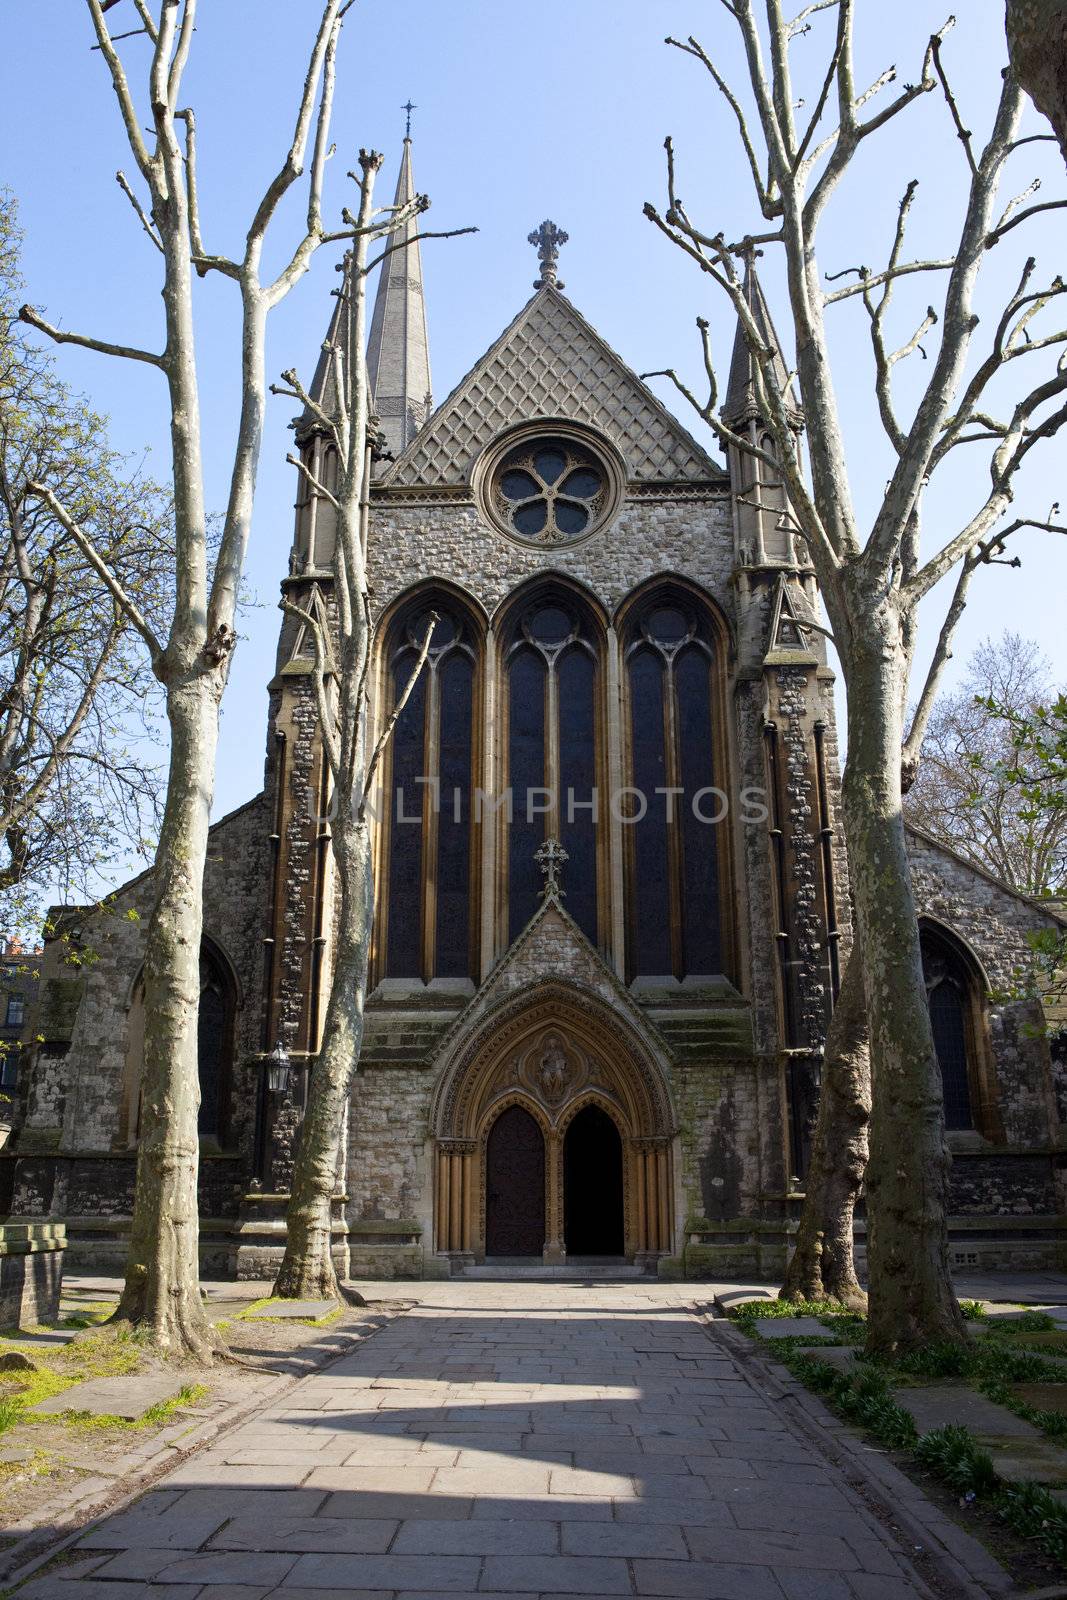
{"x":409,"y":108}
{"x":550,"y":858}
{"x":747,"y":252}
{"x":548,"y":238}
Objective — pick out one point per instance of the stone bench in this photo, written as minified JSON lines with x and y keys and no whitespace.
{"x":31,"y":1272}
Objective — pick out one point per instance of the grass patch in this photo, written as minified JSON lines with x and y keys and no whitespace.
{"x":282,"y":1300}
{"x":845,"y":1327}
{"x":1027,"y":1322}
{"x":160,"y":1413}
{"x":973,"y":1310}
{"x":103,"y":1354}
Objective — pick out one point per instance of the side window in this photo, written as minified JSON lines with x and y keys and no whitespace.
{"x":430,"y":926}
{"x":674,"y":905}
{"x":950,"y":994}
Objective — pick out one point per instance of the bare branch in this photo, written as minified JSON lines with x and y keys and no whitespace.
{"x":912,"y":747}
{"x":318,"y":487}
{"x":120,"y":178}
{"x":963,"y":133}
{"x":101,"y":346}
{"x":875,"y":279}
{"x":800,"y":22}
{"x":1023,"y":216}
{"x":396,"y":713}
{"x":100,"y":567}
{"x":203,"y":262}
{"x":693,"y":48}
{"x":293,"y":165}
{"x":402,"y":244}
{"x":122,"y":89}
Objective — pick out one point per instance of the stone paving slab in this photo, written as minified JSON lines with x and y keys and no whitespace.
{"x":515,"y":1440}
{"x":312,"y":1309}
{"x":935,"y":1405}
{"x":791,"y":1328}
{"x":114,"y":1397}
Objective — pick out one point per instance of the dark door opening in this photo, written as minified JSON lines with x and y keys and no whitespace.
{"x":592,"y":1185}
{"x":515,"y":1186}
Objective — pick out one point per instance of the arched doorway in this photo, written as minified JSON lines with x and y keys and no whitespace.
{"x":592,"y":1185}
{"x":515,"y":1186}
{"x":551,"y":1053}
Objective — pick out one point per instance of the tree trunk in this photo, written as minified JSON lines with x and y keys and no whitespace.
{"x":307,"y":1270}
{"x":162,"y":1289}
{"x":1037,"y":46}
{"x":822,"y":1266}
{"x":911,"y":1297}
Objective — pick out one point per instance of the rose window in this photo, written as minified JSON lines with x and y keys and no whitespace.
{"x":549,"y":491}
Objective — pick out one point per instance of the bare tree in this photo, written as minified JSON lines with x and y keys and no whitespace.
{"x":822,"y":1266}
{"x":1037,"y":45}
{"x":342,"y":655}
{"x":872,"y":580}
{"x":74,"y":681}
{"x":970,"y":787}
{"x":161,"y":1293}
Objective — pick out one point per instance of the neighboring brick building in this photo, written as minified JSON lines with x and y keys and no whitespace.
{"x":622,"y":1060}
{"x":18,"y":992}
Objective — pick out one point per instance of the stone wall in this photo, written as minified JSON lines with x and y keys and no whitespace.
{"x":994,"y":923}
{"x":73,"y":1152}
{"x":415,"y":537}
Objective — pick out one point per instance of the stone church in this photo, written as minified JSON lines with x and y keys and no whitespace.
{"x":612,"y":895}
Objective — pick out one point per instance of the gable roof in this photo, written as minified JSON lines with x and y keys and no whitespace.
{"x":1053,"y":910}
{"x":551,"y":362}
{"x":574,"y":960}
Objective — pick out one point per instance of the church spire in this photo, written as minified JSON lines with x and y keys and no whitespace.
{"x":398,"y":351}
{"x":742,"y":404}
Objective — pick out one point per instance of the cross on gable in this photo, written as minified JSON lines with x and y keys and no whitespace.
{"x":547,"y":239}
{"x":550,"y":858}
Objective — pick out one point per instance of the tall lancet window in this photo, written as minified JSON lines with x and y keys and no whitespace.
{"x":955,"y":1019}
{"x":429,"y":930}
{"x":675,"y":813}
{"x":553,"y":730}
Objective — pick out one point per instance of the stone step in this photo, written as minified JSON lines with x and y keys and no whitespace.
{"x":537,"y":1271}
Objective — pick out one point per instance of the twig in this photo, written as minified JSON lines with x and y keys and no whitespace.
{"x":120,"y":179}
{"x":101,"y":346}
{"x":395,"y":714}
{"x":100,"y":567}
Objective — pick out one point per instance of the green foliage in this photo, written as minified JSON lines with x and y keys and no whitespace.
{"x":78,"y":781}
{"x":1027,"y":1322}
{"x":862,"y":1397}
{"x":973,"y":1310}
{"x":1035,"y":768}
{"x":1033,"y":1513}
{"x":952,"y":1454}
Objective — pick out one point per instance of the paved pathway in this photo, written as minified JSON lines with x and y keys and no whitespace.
{"x":511,"y":1440}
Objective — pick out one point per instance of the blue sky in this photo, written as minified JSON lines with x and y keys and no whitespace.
{"x":523,"y":112}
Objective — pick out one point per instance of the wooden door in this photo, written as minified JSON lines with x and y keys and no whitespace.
{"x":515,"y":1186}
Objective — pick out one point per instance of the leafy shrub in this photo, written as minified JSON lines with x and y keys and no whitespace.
{"x":952,"y":1454}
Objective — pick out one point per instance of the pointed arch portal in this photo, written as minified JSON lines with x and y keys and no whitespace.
{"x":552,"y":1128}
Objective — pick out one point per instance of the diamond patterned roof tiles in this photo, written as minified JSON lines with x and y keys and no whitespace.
{"x":550,"y":362}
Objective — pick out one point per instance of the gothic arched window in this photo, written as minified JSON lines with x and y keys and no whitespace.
{"x":952,"y":998}
{"x":215,"y":1039}
{"x":214,"y":1046}
{"x":429,"y":927}
{"x":674,"y":809}
{"x":551,"y":665}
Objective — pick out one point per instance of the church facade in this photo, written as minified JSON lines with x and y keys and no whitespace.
{"x":612,"y":901}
